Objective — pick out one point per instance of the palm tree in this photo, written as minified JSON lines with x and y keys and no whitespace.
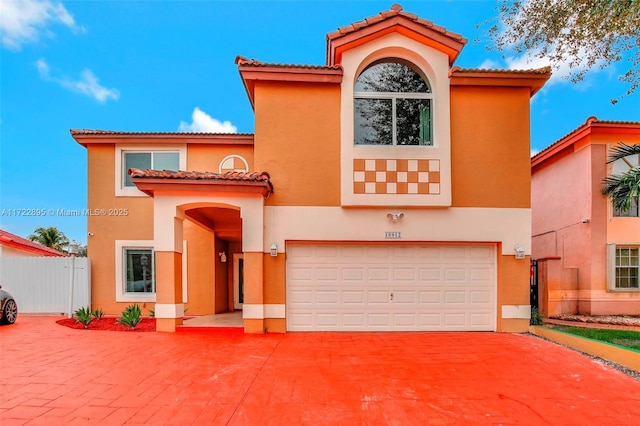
{"x":50,"y":237}
{"x":624,"y":188}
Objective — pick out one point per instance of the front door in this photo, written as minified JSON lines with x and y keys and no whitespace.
{"x":238,"y":280}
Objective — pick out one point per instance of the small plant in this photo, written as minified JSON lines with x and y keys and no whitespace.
{"x":83,"y":316}
{"x":98,"y":314}
{"x":536,"y":317}
{"x":131,"y":315}
{"x":152,"y":313}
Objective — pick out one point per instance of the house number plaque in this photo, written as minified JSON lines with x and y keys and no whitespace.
{"x":392,"y":235}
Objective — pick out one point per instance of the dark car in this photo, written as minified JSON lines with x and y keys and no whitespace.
{"x":8,"y":308}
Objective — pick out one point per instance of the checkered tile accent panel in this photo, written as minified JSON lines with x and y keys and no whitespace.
{"x":396,"y":176}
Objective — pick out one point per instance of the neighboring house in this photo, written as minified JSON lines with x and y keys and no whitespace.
{"x":385,"y":190}
{"x":587,"y":252}
{"x":12,"y":245}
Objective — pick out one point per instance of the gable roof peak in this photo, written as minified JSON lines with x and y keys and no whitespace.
{"x":390,"y":21}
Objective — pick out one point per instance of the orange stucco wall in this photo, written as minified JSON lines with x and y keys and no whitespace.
{"x":274,"y":278}
{"x":513,"y":289}
{"x":298,"y":142}
{"x":490,"y":147}
{"x":207,"y":158}
{"x":136,"y":225}
{"x":200,"y":269}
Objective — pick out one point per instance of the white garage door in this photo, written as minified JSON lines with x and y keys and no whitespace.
{"x":391,"y":287}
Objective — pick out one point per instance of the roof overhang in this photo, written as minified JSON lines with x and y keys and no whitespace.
{"x":152,"y":181}
{"x":85,"y":137}
{"x":591,"y":127}
{"x":252,"y":71}
{"x":533,"y":79}
{"x":16,"y":244}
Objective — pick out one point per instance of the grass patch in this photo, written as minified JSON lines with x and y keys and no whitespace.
{"x":628,"y":339}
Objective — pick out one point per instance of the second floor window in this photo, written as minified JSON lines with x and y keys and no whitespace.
{"x":162,"y":160}
{"x":392,"y":105}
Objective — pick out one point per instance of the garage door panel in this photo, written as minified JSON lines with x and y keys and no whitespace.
{"x":404,"y":274}
{"x":391,"y":287}
{"x":327,"y":274}
{"x":352,"y":274}
{"x":377,"y":297}
{"x":378,"y":274}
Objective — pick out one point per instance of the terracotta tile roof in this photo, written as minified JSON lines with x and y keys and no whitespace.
{"x":83,"y":132}
{"x":262,"y":178}
{"x":543,"y":70}
{"x":396,"y":10}
{"x":242,"y":61}
{"x":568,"y":139}
{"x":11,"y":240}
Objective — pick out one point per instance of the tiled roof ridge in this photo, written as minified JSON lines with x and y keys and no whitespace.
{"x":9,"y":237}
{"x":118,"y":132}
{"x":195,"y":175}
{"x":241,"y":60}
{"x":396,"y":10}
{"x":588,"y":122}
{"x":542,"y":70}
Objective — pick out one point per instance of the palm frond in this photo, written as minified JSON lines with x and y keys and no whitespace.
{"x":622,"y":188}
{"x":623,"y":150}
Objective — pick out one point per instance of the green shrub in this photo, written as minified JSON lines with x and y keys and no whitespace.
{"x":536,"y":317}
{"x":131,"y":316}
{"x":83,"y":316}
{"x":152,"y":313}
{"x":98,"y":314}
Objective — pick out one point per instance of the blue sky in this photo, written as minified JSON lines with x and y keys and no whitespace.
{"x":169,"y":66}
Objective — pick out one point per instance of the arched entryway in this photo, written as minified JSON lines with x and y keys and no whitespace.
{"x":223,"y":213}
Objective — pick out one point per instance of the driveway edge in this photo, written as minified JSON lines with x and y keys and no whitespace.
{"x":625,"y":357}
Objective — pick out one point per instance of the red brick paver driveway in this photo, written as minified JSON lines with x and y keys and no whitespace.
{"x":55,"y":375}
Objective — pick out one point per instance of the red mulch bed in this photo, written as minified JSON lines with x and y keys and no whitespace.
{"x":110,"y":324}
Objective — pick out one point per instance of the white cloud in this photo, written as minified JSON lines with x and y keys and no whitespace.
{"x":534,"y":152}
{"x":561,"y":71}
{"x":87,"y":84}
{"x":23,"y":21}
{"x":489,"y":64}
{"x":203,"y":122}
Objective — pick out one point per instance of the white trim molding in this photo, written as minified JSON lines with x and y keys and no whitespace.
{"x":516,"y":311}
{"x":121,"y":295}
{"x":168,"y":310}
{"x":122,"y":191}
{"x":260,"y":311}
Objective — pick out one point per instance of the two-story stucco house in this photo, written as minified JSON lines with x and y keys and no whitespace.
{"x":587,"y":251}
{"x":385,"y":190}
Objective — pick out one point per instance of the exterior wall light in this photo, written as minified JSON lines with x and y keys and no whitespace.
{"x":394,"y":217}
{"x":519,"y":251}
{"x":223,"y":257}
{"x":274,"y":249}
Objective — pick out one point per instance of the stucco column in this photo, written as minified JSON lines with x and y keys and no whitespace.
{"x":252,"y":215}
{"x":253,"y":307}
{"x":168,"y":222}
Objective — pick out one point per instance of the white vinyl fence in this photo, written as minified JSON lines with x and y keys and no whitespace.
{"x":43,"y":284}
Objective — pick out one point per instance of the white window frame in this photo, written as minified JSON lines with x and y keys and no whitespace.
{"x":121,"y":294}
{"x":228,"y":157}
{"x":613,"y":266}
{"x":394,"y":96}
{"x":132,"y":191}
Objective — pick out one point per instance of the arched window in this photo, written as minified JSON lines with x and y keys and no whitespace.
{"x":392,"y":105}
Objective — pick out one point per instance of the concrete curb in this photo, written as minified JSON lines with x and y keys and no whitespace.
{"x":625,"y":357}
